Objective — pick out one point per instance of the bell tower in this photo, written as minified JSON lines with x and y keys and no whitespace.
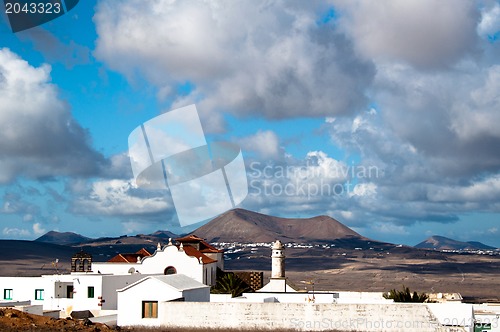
{"x":278,"y":260}
{"x":278,"y":282}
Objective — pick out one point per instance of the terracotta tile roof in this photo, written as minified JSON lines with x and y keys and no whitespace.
{"x":189,"y":238}
{"x":203,"y":245}
{"x":190,"y":251}
{"x":143,"y":252}
{"x":129,"y":257}
{"x":118,"y":259}
{"x":132,"y":258}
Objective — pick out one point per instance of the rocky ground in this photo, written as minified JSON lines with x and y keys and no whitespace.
{"x":13,"y":320}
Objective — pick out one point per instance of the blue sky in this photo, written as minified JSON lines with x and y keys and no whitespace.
{"x":322,"y":88}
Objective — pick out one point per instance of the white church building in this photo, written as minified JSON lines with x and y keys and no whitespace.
{"x":93,"y":285}
{"x":192,"y":257}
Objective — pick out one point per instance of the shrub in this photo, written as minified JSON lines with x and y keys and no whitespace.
{"x":405,"y":296}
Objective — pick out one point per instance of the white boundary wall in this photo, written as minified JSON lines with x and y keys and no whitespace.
{"x":297,"y":316}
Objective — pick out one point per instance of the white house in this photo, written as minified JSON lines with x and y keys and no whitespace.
{"x":193,"y":257}
{"x":138,"y":303}
{"x":67,"y":292}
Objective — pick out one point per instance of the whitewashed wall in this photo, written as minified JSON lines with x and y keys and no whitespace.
{"x":111,"y":283}
{"x":23,"y":288}
{"x":130,"y":302}
{"x":156,"y":264}
{"x":294,"y":316}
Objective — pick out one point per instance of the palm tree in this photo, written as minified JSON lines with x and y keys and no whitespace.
{"x":229,"y":283}
{"x":405,"y":295}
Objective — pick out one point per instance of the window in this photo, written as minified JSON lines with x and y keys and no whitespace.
{"x":38,"y":294}
{"x":149,"y":309}
{"x":90,"y":292}
{"x":7,"y":294}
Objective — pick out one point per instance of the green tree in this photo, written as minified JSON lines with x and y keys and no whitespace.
{"x":230,"y":283}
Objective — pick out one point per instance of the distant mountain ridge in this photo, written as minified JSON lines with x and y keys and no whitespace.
{"x":241,"y":225}
{"x":443,"y":243}
{"x":64,"y":238}
{"x":164,"y":234}
{"x":246,"y":226}
{"x":72,"y":239}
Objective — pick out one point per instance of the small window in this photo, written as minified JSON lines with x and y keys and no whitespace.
{"x":149,"y":309}
{"x":170,"y":270}
{"x":7,"y":294}
{"x":38,"y":294}
{"x":90,"y":292}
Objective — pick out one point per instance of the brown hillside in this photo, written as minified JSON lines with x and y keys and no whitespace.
{"x":246,"y":226}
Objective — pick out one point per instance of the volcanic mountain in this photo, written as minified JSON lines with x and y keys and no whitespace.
{"x":443,"y":243}
{"x":245,"y":226}
{"x":66,"y":238}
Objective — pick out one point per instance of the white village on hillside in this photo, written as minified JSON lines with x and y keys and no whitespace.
{"x":172,"y":288}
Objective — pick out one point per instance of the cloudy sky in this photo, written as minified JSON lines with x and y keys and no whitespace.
{"x":382,"y":114}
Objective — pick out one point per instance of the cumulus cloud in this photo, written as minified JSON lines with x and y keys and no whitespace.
{"x":14,"y":203}
{"x":15,"y":232}
{"x":313,"y":185}
{"x":118,"y":198}
{"x":39,"y":138}
{"x":252,"y":57}
{"x":422,"y":70}
{"x":264,"y":143}
{"x":490,"y":20}
{"x":38,"y":229}
{"x":432,"y":141}
{"x":423,"y":33}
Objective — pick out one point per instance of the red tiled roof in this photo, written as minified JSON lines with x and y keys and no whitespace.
{"x":143,"y":252}
{"x":189,"y":238}
{"x":190,"y":251}
{"x":129,"y":258}
{"x":132,"y":258}
{"x":118,"y":259}
{"x":204,"y":246}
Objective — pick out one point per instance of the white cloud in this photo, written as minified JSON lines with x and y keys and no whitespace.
{"x":424,"y":33}
{"x":15,"y":232}
{"x":490,"y":20}
{"x":365,"y":189}
{"x":388,"y":228}
{"x":246,"y":57}
{"x":433,"y":84}
{"x":38,"y":136}
{"x":38,"y":229}
{"x":485,"y":191}
{"x":264,"y":143}
{"x":119,"y":198}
